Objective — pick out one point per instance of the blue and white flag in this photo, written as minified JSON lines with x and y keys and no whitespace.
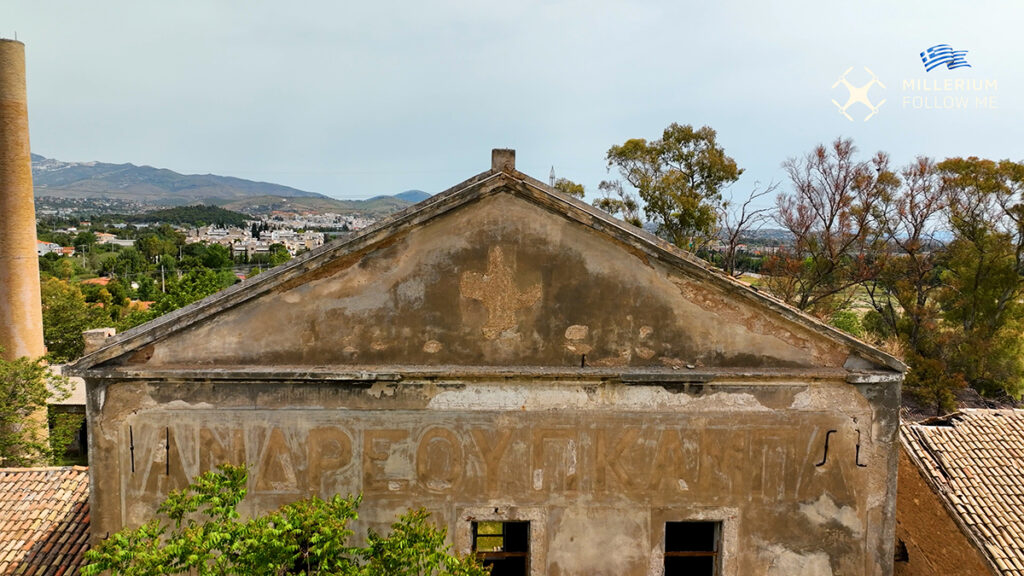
{"x":944,"y":54}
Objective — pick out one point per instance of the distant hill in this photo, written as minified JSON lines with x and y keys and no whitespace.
{"x":414,"y":196}
{"x":158,"y":187}
{"x":198,"y":215}
{"x":262,"y":205}
{"x":145,"y":184}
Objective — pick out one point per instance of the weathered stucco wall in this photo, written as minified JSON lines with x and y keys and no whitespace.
{"x":498,"y":282}
{"x":596,"y":466}
{"x":934,"y":543}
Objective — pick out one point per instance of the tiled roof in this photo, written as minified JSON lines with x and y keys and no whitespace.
{"x":974,"y":459}
{"x":44,"y":520}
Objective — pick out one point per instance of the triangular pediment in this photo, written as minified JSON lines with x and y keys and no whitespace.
{"x":499,"y":271}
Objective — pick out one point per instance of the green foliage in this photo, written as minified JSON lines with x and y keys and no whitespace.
{"x":279,"y":254}
{"x":983,"y":270}
{"x":566,"y":186}
{"x":617,"y":202}
{"x":875,"y":326}
{"x":130,"y":263}
{"x":847,"y":321}
{"x":64,"y":426}
{"x":84,"y":239}
{"x":196,"y":216}
{"x":213,"y":256}
{"x":931,"y":381}
{"x":199,"y":531}
{"x":25,"y":386}
{"x":159,"y":241}
{"x":66,"y":315}
{"x":195,"y":285}
{"x":680,"y":178}
{"x":413,"y":548}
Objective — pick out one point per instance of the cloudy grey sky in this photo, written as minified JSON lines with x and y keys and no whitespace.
{"x":354,"y":99}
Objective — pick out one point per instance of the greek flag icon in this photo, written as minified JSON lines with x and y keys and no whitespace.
{"x":944,"y":54}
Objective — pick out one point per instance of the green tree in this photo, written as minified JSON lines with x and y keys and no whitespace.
{"x":680,"y":178}
{"x":279,"y":254}
{"x":617,"y":202}
{"x":130,"y":263}
{"x":984,"y":266}
{"x":217,"y":257}
{"x":566,"y":186}
{"x":66,"y":315}
{"x":25,"y":387}
{"x":198,"y":531}
{"x":84,"y":240}
{"x":195,"y":285}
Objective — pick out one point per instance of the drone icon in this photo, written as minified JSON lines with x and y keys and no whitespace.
{"x":858,"y":94}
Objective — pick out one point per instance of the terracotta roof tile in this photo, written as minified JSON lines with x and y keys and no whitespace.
{"x":975,"y":460}
{"x":44,"y":520}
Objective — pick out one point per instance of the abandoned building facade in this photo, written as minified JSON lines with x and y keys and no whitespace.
{"x":565,"y":393}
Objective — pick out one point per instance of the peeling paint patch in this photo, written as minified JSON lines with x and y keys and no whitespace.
{"x":496,"y":289}
{"x":786,"y":562}
{"x":412,"y":291}
{"x":576,"y":332}
{"x":825,"y":511}
{"x":183,"y":405}
{"x":432,"y":347}
{"x":637,"y":398}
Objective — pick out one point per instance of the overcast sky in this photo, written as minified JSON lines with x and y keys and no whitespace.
{"x":356,"y":99}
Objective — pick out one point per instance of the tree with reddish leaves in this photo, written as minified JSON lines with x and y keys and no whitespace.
{"x":903,"y":293}
{"x":832,"y":212}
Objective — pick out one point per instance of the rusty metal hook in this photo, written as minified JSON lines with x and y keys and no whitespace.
{"x":856,"y":457}
{"x":131,"y":447}
{"x":167,"y":451}
{"x":824,"y":458}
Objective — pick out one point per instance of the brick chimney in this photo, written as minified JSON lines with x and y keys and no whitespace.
{"x":21,"y":316}
{"x":503,"y":159}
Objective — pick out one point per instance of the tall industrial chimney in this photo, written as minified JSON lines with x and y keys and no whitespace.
{"x":21,"y":315}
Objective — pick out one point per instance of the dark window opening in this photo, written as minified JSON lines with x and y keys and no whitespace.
{"x":503,"y":546}
{"x":691,"y":548}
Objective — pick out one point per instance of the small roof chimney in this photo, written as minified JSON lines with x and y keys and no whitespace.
{"x":503,"y":159}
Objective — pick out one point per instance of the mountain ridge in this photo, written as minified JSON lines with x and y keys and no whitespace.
{"x":161,"y":187}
